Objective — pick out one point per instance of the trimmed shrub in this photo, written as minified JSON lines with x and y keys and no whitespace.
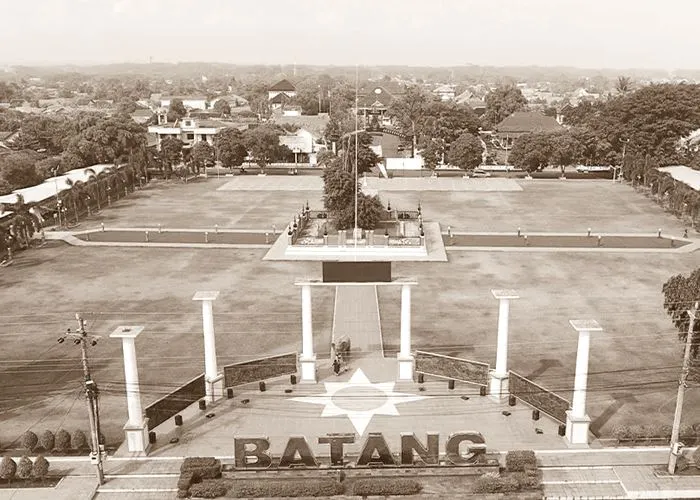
{"x":8,"y":468}
{"x":520,"y":460}
{"x":79,"y":440}
{"x":666,"y":431}
{"x":687,"y":433}
{"x":186,"y":480}
{"x":695,"y":457}
{"x":47,"y":440}
{"x":202,"y":467}
{"x":24,"y":468}
{"x":62,"y":440}
{"x":212,"y":488}
{"x":636,"y":432}
{"x":289,"y":488}
{"x":385,"y":487}
{"x":621,"y":432}
{"x":29,"y":440}
{"x":528,"y":480}
{"x":491,"y":483}
{"x":40,"y":468}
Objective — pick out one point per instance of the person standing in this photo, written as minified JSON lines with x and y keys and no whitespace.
{"x":336,"y":365}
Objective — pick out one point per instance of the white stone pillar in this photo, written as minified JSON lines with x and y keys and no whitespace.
{"x":213,"y":379}
{"x":404,"y":357}
{"x":499,"y":377}
{"x":577,"y":421}
{"x":136,"y":428}
{"x":307,"y":360}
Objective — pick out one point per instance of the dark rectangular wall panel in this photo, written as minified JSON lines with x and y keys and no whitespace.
{"x":356,"y":272}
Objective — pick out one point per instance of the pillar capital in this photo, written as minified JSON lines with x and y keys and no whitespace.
{"x":126,"y":332}
{"x":585,"y":325}
{"x":206,"y":295}
{"x":504,"y":294}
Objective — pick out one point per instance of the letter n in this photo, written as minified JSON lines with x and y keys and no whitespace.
{"x":429,"y":455}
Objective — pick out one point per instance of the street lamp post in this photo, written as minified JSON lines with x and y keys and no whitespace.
{"x":622,"y":164}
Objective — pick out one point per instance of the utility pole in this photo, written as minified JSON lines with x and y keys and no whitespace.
{"x":675,"y":444}
{"x":81,"y":337}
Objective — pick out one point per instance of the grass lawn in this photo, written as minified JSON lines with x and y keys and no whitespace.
{"x":634,"y":364}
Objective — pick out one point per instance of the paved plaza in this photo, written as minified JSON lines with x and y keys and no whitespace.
{"x":315,"y":183}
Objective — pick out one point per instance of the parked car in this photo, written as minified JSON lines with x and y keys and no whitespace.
{"x":477,"y":172}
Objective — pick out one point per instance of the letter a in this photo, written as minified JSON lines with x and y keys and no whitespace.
{"x":298,"y":445}
{"x":375,"y":442}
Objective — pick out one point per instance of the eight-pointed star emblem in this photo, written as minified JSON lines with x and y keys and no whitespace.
{"x":359,"y":399}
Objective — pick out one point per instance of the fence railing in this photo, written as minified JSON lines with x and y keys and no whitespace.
{"x":172,"y":404}
{"x":439,"y":365}
{"x":537,"y":396}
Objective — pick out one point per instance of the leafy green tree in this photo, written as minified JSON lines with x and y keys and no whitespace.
{"x":202,"y":155}
{"x":623,"y":84}
{"x":680,"y":295}
{"x":263,"y":143}
{"x":338,"y":187}
{"x":432,"y":153}
{"x":171,"y":153}
{"x":222,"y":106}
{"x":466,"y":152}
{"x":19,"y":170}
{"x":176,"y":110}
{"x":366,"y":158}
{"x":41,"y":467}
{"x":24,"y":468}
{"x":230,"y":147}
{"x":8,"y":469}
{"x":407,"y":112}
{"x":47,"y":440}
{"x":308,"y":99}
{"x":565,"y":149}
{"x":531,"y":151}
{"x":339,"y":199}
{"x":29,"y":440}
{"x":79,"y":440}
{"x":502,"y":102}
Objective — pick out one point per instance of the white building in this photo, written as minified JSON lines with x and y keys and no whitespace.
{"x":191,"y":102}
{"x":446,"y":92}
{"x":303,"y":145}
{"x":188,"y":130}
{"x":282,"y":87}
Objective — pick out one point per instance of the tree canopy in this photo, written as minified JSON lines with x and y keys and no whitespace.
{"x":263,"y":144}
{"x":339,"y":199}
{"x":466,"y":152}
{"x":502,"y":102}
{"x":680,"y":295}
{"x":366,"y":158}
{"x":230,"y":147}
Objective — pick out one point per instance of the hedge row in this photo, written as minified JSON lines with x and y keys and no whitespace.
{"x":520,"y":460}
{"x":652,"y":431}
{"x":25,"y":469}
{"x":492,"y":482}
{"x":385,"y":487}
{"x":62,"y":441}
{"x":290,"y":488}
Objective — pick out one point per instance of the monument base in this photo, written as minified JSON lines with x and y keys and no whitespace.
{"x":307,"y":366}
{"x":137,"y":438}
{"x":214,"y":388}
{"x":498,"y":386}
{"x":405,"y":367}
{"x":577,"y":428}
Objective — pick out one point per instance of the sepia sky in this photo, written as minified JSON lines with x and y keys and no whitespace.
{"x":590,"y":34}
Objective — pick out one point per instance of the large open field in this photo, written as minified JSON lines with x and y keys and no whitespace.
{"x":634,"y":363}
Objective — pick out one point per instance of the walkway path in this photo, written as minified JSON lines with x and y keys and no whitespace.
{"x":356,"y":315}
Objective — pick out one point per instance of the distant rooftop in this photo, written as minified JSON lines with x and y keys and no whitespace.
{"x":528,"y":121}
{"x":283,"y":86}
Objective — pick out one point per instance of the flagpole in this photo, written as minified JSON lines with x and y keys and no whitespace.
{"x":357,"y":111}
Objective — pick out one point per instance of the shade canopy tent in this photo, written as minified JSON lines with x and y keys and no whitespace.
{"x":53,"y":186}
{"x":683,"y":174}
